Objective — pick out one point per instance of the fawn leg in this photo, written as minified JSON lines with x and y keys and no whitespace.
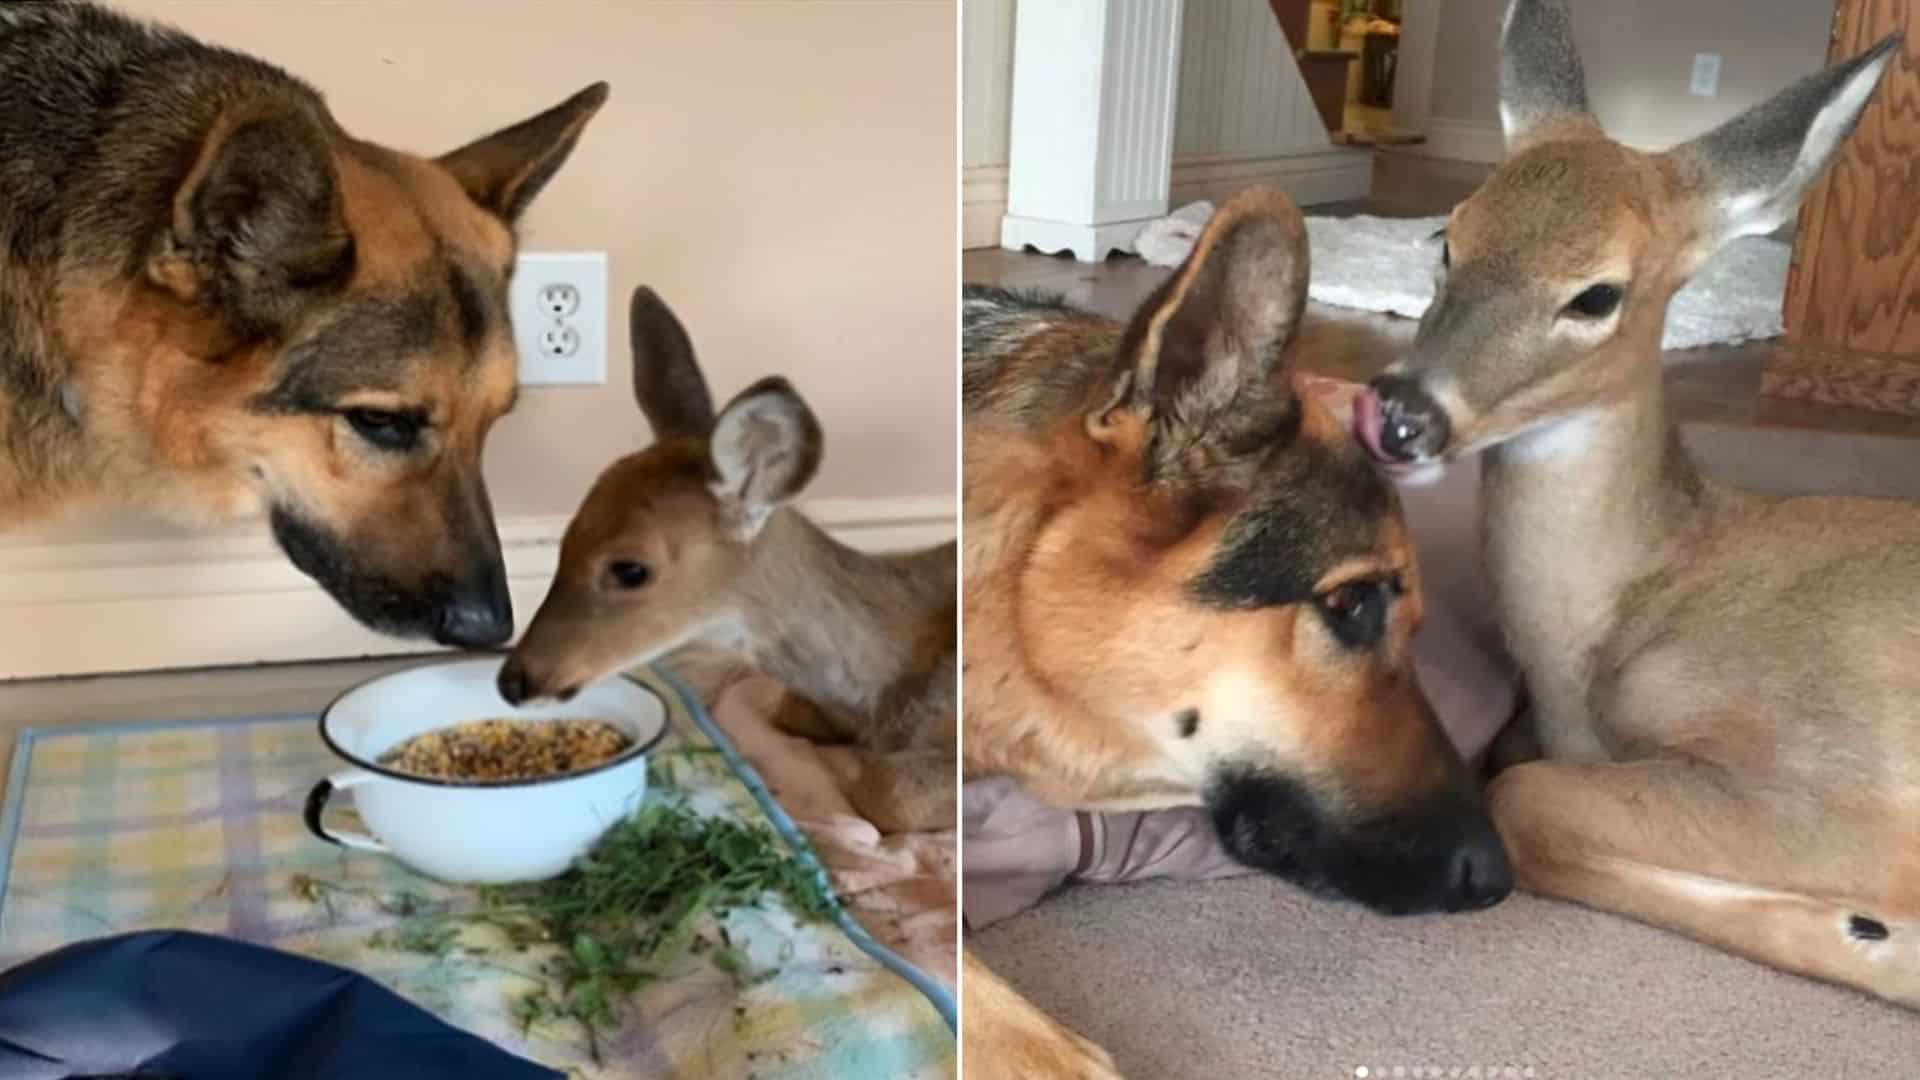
{"x":1665,"y":842}
{"x":899,"y":790}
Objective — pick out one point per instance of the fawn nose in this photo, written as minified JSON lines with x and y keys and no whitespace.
{"x":1409,"y":423}
{"x":1481,"y":874}
{"x":513,"y":683}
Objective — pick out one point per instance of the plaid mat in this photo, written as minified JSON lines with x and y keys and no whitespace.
{"x":196,"y":825}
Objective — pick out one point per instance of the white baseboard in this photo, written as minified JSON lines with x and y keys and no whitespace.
{"x":1459,"y":141}
{"x":1331,"y":174}
{"x":88,"y":607}
{"x":983,"y":202}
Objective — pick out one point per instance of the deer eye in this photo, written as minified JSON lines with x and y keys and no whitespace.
{"x":628,"y":574}
{"x":1597,"y":302}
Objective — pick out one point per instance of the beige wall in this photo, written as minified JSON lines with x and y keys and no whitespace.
{"x":783,"y":173}
{"x":1639,"y":58}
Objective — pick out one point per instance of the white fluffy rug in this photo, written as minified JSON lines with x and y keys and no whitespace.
{"x":1387,"y":264}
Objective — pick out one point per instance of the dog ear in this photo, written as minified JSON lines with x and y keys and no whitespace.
{"x":505,"y":170}
{"x":257,"y":223}
{"x":1543,"y":88}
{"x":1753,"y":170}
{"x":765,"y":447}
{"x":1208,"y":347}
{"x":666,"y":378}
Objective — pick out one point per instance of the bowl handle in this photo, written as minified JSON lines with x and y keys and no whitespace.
{"x":317,"y":806}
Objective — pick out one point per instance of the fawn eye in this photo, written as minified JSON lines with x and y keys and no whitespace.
{"x":628,"y":574}
{"x":1356,"y":612}
{"x":1446,"y":253}
{"x":1597,"y":302}
{"x":386,"y":429}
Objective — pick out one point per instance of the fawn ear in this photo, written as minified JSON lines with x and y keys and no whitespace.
{"x":505,"y":170}
{"x":666,"y":378}
{"x":765,"y":447}
{"x":1755,"y":168}
{"x":258,"y":225}
{"x":1543,"y":88}
{"x":1207,"y":346}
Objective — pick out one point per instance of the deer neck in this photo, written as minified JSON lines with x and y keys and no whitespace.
{"x":830,"y":623}
{"x":1577,"y":511}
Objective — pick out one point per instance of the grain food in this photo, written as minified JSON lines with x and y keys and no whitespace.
{"x":502,"y":749}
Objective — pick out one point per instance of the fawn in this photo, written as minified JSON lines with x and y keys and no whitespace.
{"x":1725,"y":685}
{"x":691,"y":541}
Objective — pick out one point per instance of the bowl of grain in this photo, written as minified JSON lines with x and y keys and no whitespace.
{"x":451,"y":780}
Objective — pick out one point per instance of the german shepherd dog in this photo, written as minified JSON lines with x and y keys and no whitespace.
{"x":215,"y":302}
{"x":1186,"y":585}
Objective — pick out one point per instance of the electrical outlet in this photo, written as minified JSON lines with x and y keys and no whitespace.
{"x":558,"y":302}
{"x":1706,"y":74}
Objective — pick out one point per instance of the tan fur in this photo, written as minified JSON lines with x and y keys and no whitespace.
{"x":1085,"y":532}
{"x":1726,"y":683}
{"x":867,"y":641}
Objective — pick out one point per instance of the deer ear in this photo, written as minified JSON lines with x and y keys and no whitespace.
{"x":765,"y":448}
{"x":666,"y":378}
{"x":257,"y":223}
{"x":1208,"y":344}
{"x":1755,"y":169}
{"x":1543,"y":88}
{"x":505,"y":170}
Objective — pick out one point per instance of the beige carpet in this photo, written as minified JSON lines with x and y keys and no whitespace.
{"x":1250,"y":978}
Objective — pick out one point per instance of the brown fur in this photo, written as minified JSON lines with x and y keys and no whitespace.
{"x":1725,"y":683}
{"x":1156,"y":517}
{"x":225,"y":279}
{"x":866,"y":640}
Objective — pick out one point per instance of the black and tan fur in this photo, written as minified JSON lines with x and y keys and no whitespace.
{"x":216,"y":302}
{"x":1726,"y":685}
{"x":1184,"y":584}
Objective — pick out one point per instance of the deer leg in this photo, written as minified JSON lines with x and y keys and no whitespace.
{"x":899,"y":790}
{"x":1006,"y":1035}
{"x":1665,"y":842}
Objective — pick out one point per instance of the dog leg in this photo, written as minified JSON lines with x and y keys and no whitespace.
{"x":1005,"y":1035}
{"x":1615,"y":837}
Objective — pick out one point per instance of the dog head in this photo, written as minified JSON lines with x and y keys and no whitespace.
{"x":323,"y":334}
{"x":1220,"y":597}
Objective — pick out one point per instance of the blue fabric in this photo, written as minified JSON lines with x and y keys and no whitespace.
{"x":173,"y":1005}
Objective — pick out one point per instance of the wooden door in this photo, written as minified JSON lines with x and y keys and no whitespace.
{"x":1853,"y":293}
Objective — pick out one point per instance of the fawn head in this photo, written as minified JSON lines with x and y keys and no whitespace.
{"x":654,"y":557}
{"x":1555,"y":275}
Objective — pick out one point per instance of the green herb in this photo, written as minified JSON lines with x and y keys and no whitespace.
{"x":622,"y":913}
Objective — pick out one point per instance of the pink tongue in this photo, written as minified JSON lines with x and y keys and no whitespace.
{"x":1366,"y":423}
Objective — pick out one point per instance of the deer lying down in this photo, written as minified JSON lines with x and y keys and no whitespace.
{"x":1726,"y":685}
{"x":690,"y":542}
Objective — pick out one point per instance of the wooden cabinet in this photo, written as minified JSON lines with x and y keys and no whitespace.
{"x":1853,"y":294}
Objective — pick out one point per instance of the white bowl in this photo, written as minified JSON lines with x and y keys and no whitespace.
{"x":480,"y":832}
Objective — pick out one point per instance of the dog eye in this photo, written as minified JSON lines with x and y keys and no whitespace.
{"x":384,"y":429}
{"x":628,"y":574}
{"x":1597,"y":302}
{"x":1357,"y":611}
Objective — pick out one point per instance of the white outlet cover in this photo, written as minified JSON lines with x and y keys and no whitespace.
{"x":1706,"y":75}
{"x":586,"y":271}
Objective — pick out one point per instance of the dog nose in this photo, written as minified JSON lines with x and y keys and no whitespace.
{"x":1412,"y":424}
{"x":476,"y":619}
{"x":515,"y":687}
{"x":1481,"y":874}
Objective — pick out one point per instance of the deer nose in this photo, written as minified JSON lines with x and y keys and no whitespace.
{"x":1410,"y":425}
{"x":514,"y":685}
